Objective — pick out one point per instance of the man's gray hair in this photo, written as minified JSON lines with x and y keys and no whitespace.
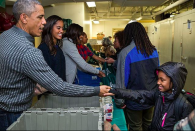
{"x":24,"y":6}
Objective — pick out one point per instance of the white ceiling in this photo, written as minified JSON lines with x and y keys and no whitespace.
{"x":118,"y":9}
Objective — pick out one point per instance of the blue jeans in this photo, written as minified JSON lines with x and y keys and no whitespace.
{"x":7,"y":118}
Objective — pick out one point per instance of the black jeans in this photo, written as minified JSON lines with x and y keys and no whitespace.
{"x":7,"y":118}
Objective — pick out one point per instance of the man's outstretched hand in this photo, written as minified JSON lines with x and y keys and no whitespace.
{"x":103,"y":90}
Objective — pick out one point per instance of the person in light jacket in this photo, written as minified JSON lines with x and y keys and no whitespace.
{"x":73,"y":59}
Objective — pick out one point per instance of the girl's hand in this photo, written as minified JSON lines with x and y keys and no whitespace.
{"x":109,"y":94}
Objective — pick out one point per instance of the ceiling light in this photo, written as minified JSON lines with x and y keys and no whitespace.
{"x":96,"y":21}
{"x":91,"y":4}
{"x":131,"y":21}
{"x":139,"y":18}
{"x":52,"y":5}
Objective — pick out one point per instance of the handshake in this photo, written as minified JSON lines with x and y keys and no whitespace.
{"x":104,"y":91}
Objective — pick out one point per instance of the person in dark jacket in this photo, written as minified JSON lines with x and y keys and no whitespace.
{"x":136,"y":64}
{"x":171,"y":80}
{"x":51,"y":47}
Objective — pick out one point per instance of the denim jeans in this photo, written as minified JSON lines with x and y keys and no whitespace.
{"x":7,"y":118}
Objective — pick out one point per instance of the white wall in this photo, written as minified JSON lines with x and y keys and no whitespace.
{"x":87,"y":25}
{"x":107,"y":26}
{"x":73,"y":11}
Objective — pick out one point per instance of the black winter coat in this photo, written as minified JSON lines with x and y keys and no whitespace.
{"x":177,"y":72}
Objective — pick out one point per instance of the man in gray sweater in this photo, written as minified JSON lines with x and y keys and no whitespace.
{"x":22,"y":65}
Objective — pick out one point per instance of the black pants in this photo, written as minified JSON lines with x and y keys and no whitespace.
{"x":138,"y":120}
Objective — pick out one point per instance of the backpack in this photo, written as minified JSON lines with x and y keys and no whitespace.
{"x":180,"y":101}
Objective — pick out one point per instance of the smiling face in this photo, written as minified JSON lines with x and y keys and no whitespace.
{"x":164,"y":82}
{"x":57,"y":31}
{"x":35,"y":22}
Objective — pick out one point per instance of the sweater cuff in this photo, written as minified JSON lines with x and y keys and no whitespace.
{"x":97,"y":90}
{"x":97,"y":71}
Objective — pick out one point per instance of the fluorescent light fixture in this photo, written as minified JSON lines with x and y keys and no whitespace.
{"x":53,"y":5}
{"x":91,"y":4}
{"x":139,"y":18}
{"x":131,"y":21}
{"x":96,"y":21}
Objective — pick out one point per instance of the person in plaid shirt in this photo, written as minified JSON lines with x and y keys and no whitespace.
{"x":84,"y":51}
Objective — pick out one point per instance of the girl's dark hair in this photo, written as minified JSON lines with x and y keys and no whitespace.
{"x":73,"y":32}
{"x":47,"y":33}
{"x":135,"y":31}
{"x":119,"y":35}
{"x":83,"y":34}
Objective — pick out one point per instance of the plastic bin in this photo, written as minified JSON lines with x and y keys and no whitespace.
{"x":87,"y":79}
{"x":60,"y":119}
{"x":54,"y":101}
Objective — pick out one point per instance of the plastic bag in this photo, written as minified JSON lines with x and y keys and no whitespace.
{"x":110,"y":73}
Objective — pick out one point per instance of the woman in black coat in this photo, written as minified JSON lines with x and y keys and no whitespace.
{"x":171,"y":80}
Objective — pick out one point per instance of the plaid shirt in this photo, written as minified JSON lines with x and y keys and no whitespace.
{"x":84,"y":51}
{"x":22,"y":66}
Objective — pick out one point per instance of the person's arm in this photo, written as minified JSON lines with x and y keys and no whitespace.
{"x":115,"y":64}
{"x":35,"y":67}
{"x":139,"y":96}
{"x":110,"y":60}
{"x":71,"y":50}
{"x":91,"y":54}
{"x":98,"y":58}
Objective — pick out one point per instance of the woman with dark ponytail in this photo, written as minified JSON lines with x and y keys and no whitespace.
{"x":136,"y":66}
